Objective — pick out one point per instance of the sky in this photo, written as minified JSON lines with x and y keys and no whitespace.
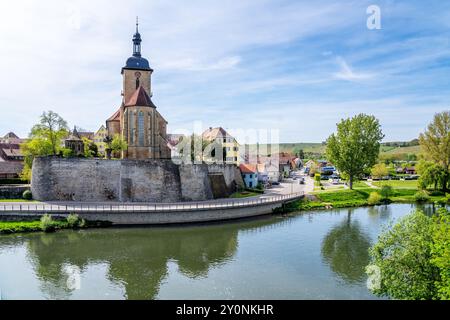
{"x":298,"y":67}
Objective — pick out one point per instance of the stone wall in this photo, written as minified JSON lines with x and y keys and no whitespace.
{"x":95,"y":180}
{"x":13,"y":191}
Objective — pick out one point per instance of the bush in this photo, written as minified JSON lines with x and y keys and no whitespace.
{"x":47,"y":224}
{"x":421,"y":196}
{"x":374,"y":198}
{"x":73,"y":220}
{"x":27,"y":195}
{"x":317,"y":177}
{"x":386,"y":192}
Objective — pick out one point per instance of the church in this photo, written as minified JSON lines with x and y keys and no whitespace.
{"x":137,"y":120}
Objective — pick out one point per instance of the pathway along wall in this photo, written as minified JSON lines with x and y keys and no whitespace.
{"x":98,"y":180}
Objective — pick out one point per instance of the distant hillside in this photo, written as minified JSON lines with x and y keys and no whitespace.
{"x":389,"y":150}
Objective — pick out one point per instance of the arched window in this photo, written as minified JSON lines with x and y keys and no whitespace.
{"x":141,"y":129}
{"x":131,"y":126}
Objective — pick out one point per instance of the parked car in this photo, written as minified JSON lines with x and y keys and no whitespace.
{"x":275,"y":183}
{"x":302,"y":181}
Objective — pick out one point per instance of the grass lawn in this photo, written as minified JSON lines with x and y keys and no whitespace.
{"x":15,"y":227}
{"x":16,"y":200}
{"x":352,"y":198}
{"x":398,"y":184}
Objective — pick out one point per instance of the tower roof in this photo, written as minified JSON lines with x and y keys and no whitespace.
{"x":136,"y":62}
{"x":140,"y":98}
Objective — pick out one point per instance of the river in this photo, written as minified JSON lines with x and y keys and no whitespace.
{"x":310,"y":255}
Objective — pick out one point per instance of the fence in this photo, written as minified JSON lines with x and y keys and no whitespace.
{"x":154,"y":207}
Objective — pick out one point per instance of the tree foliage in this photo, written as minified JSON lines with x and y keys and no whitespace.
{"x":379,"y":171}
{"x":435,"y":143}
{"x":45,"y":139}
{"x":117,"y":145}
{"x":355,"y":147}
{"x":413,"y":257}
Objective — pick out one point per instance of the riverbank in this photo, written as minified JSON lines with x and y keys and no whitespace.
{"x":9,"y":227}
{"x":358,"y":197}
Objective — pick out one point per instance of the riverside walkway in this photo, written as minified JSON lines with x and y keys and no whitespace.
{"x":153,"y":213}
{"x":78,"y":207}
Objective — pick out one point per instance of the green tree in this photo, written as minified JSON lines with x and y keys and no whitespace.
{"x":44,"y":139}
{"x":431,"y":174}
{"x":118,"y":144}
{"x":403,"y":255}
{"x":355,"y":147}
{"x":379,"y":171}
{"x":435,"y":142}
{"x":441,"y":252}
{"x":52,"y":128}
{"x":90,"y":148}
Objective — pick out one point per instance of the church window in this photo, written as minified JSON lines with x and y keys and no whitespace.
{"x":141,"y":129}
{"x":131,"y":127}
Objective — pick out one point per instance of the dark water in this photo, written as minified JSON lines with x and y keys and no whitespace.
{"x":314,"y":255}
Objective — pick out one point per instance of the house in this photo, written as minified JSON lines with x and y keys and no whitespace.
{"x":249,"y":175}
{"x":10,"y":169}
{"x":75,"y":143}
{"x":228,"y":144}
{"x":11,"y":152}
{"x":273,"y":172}
{"x":11,"y":138}
{"x":263,"y":175}
{"x":11,"y":157}
{"x":99,"y":139}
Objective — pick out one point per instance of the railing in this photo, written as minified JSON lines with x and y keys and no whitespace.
{"x":154,"y":207}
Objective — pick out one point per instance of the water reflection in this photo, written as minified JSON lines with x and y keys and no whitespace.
{"x":345,"y":249}
{"x":136,"y":258}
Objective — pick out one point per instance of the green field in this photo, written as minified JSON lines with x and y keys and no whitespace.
{"x":397,"y":153}
{"x":398,"y":184}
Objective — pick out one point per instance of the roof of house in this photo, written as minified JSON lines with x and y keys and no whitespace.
{"x":115,"y":116}
{"x":11,"y":135}
{"x":213,"y":133}
{"x":248,"y":168}
{"x":10,"y":152}
{"x":140,"y":98}
{"x":261,"y":167}
{"x":11,"y":167}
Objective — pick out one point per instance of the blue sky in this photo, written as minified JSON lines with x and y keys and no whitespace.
{"x":295,"y":66}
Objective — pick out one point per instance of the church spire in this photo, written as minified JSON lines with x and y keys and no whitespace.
{"x":137,"y":41}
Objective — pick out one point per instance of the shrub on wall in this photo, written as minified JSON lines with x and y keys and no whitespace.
{"x":27,"y":195}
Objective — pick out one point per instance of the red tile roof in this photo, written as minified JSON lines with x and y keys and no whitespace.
{"x":115,"y":116}
{"x":140,"y":98}
{"x":248,"y":168}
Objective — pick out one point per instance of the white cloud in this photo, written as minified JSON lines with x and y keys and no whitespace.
{"x":346,"y":73}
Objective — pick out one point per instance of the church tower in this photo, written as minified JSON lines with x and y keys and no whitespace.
{"x":137,"y":121}
{"x":137,"y":71}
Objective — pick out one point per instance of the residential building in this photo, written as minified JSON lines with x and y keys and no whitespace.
{"x":263,"y":175}
{"x":249,"y":175}
{"x":99,"y":138}
{"x":225,"y":142}
{"x":75,"y":142}
{"x":11,"y":157}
